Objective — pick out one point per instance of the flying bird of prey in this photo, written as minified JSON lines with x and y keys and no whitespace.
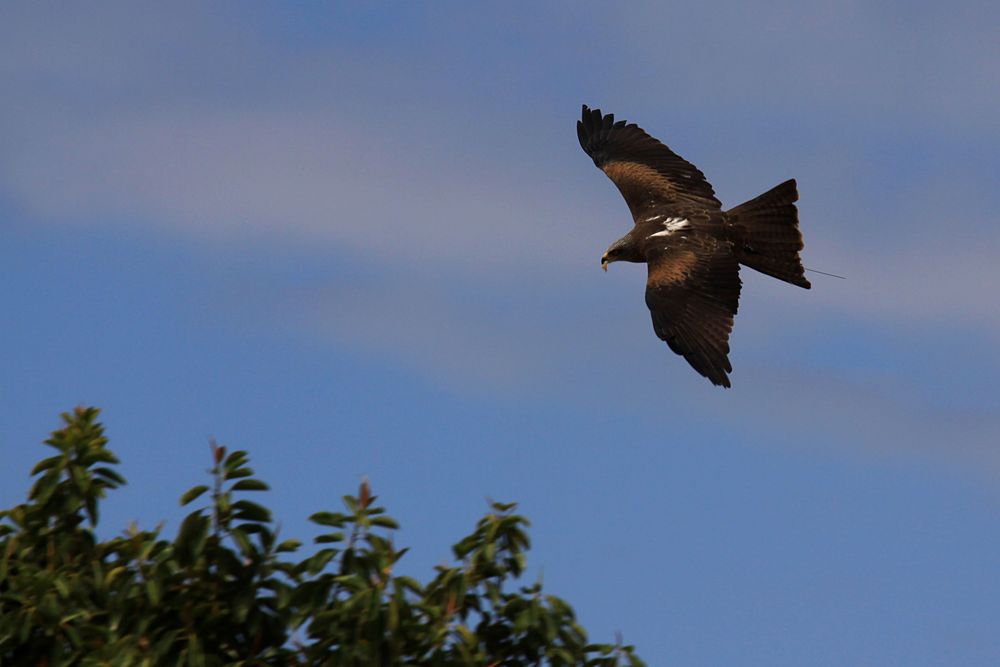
{"x":692,"y":248}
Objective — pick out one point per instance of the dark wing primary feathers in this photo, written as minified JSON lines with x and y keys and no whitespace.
{"x":693,"y":292}
{"x":648,"y":174}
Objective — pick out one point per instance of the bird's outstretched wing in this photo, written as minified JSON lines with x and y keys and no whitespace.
{"x":693,"y":292}
{"x":650,"y":176}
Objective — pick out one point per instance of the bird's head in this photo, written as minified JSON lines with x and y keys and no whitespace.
{"x":614,"y":254}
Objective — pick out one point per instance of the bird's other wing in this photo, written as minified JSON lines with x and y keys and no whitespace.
{"x":649,"y":175}
{"x":693,"y":292}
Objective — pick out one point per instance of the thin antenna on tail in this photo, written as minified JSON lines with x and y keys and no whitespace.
{"x":824,"y":273}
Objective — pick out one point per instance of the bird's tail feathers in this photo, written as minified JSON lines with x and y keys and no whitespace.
{"x":767,"y":234}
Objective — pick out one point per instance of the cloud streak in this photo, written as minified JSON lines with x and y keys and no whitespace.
{"x":455,"y":202}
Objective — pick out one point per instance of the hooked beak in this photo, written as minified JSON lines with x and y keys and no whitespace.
{"x":604,"y":262}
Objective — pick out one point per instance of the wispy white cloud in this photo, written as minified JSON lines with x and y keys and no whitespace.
{"x":921,"y":65}
{"x":418,"y":324}
{"x":311,"y":175}
{"x":917,"y":286}
{"x":187,"y":124}
{"x":595,"y":350}
{"x":872,"y":420}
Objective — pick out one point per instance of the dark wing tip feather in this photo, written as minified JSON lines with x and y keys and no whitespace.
{"x":606,"y":140}
{"x":594,"y":130}
{"x":693,"y":305}
{"x":587,"y":126}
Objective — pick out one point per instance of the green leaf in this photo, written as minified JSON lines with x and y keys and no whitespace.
{"x":409,"y":583}
{"x":318,"y":561}
{"x":560,"y":655}
{"x":163,"y":644}
{"x":44,"y":487}
{"x":351,"y":503}
{"x":110,"y":475}
{"x":153,"y":591}
{"x":112,"y":573}
{"x":49,"y":608}
{"x":102,"y":455}
{"x":333,"y":519}
{"x":523,"y":620}
{"x":193,"y":493}
{"x":91,"y":503}
{"x":385,"y":522}
{"x":242,"y":541}
{"x":250,"y":485}
{"x":46,"y":464}
{"x":192,"y":534}
{"x":329,"y":538}
{"x":254,"y":528}
{"x":61,"y":587}
{"x":288,"y":545}
{"x":248,"y":511}
{"x":195,"y":654}
{"x":72,"y":634}
{"x":236,"y":459}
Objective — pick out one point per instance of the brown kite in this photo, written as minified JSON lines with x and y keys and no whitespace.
{"x":692,"y":248}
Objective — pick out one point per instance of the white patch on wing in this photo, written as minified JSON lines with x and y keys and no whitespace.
{"x":653,"y":219}
{"x":671,"y":225}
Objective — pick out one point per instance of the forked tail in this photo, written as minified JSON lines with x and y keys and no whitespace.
{"x":767,"y":234}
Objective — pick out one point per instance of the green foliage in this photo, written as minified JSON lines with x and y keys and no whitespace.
{"x":226,"y":591}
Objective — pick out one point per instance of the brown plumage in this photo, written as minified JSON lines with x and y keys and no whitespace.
{"x":692,"y":248}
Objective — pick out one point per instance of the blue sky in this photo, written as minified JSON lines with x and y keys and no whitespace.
{"x":362,"y":240}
